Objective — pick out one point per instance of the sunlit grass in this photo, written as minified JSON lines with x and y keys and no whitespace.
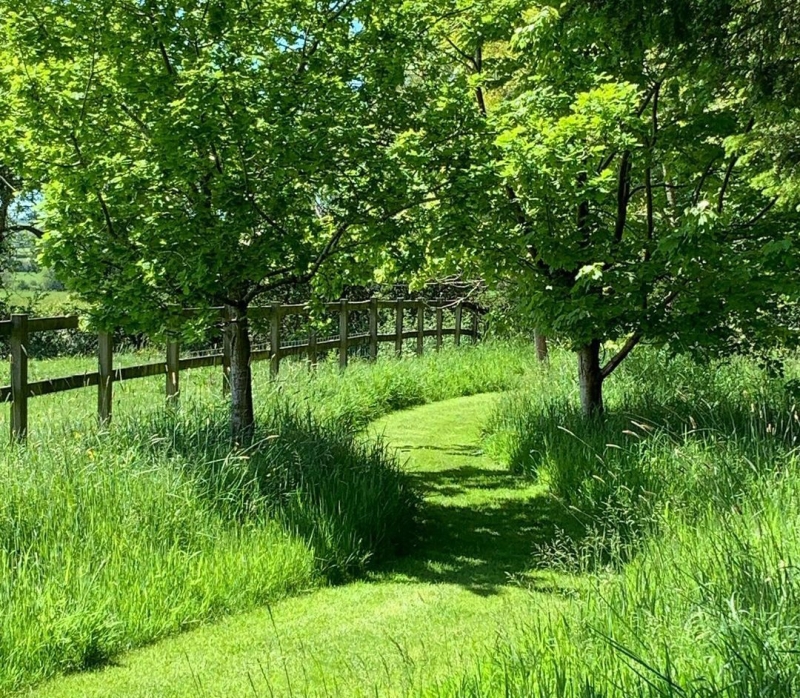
{"x":688,"y":497}
{"x":114,"y":538}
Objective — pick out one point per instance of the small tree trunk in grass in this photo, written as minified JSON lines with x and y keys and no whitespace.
{"x":241,"y":385}
{"x":540,"y":341}
{"x":590,"y":379}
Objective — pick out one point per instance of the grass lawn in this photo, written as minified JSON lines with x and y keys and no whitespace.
{"x":407,"y":628}
{"x":48,"y":302}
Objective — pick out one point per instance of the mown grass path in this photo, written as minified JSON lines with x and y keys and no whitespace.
{"x":406,"y":629}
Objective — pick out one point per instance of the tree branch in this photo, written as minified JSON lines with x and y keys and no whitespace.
{"x":133,"y":117}
{"x":703,"y":177}
{"x":763,"y":212}
{"x":478,"y":63}
{"x":620,"y":356}
{"x":656,"y":185}
{"x":639,"y":111}
{"x":38,"y":232}
{"x":463,"y":54}
{"x":729,"y":172}
{"x":330,"y":247}
{"x":623,"y":195}
{"x":164,"y":57}
{"x":648,"y":175}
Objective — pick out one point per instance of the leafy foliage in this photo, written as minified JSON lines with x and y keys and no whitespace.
{"x":193,"y":153}
{"x":630,"y":183}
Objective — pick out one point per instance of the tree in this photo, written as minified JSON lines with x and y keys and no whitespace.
{"x":638,"y":176}
{"x":209,"y":153}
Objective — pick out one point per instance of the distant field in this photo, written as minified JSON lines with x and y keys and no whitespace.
{"x":46,"y":302}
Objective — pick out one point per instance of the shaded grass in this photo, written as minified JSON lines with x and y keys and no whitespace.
{"x":480,"y":524}
{"x":343,"y":495}
{"x":680,"y":512}
{"x":104,"y":547}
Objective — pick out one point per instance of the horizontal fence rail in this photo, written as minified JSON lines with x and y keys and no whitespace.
{"x":20,"y":327}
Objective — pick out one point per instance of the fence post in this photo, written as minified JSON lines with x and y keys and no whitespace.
{"x":275,"y":339}
{"x":105,"y":357}
{"x":540,"y":342}
{"x":439,"y":323}
{"x":457,"y":314}
{"x":398,"y":329}
{"x":373,"y":329}
{"x":19,"y":377}
{"x":474,"y":326}
{"x":420,"y":326}
{"x":343,"y":333}
{"x":226,"y":363}
{"x":312,"y":347}
{"x":173,"y":371}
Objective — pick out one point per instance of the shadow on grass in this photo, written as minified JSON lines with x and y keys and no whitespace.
{"x":479,"y":529}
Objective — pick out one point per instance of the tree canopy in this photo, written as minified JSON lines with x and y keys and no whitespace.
{"x":633,"y":186}
{"x":208,"y":153}
{"x":631,"y":167}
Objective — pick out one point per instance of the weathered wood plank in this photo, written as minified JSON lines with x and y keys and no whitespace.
{"x":261,"y":355}
{"x":439,"y":318}
{"x":420,"y":327}
{"x":343,"y":311}
{"x":141,"y":371}
{"x":43,"y":324}
{"x":355,"y":340}
{"x":60,"y":385}
{"x":198,"y":362}
{"x":327,"y":345}
{"x":312,"y":346}
{"x":294,"y":350}
{"x":60,"y":322}
{"x":352,"y":305}
{"x":294,"y":309}
{"x":398,"y":327}
{"x":275,"y":340}
{"x":373,"y":329}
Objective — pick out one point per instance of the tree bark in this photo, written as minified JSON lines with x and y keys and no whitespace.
{"x":590,"y":379}
{"x":540,"y":341}
{"x":237,"y":333}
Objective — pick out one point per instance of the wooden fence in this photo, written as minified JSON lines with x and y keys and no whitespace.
{"x":20,"y":327}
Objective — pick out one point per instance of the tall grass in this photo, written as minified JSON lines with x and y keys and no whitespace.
{"x":109,"y":540}
{"x":372,"y":390}
{"x":105,"y":545}
{"x":689,"y":495}
{"x":344,"y":495}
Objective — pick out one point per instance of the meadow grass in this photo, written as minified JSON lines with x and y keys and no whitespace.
{"x":110,"y":539}
{"x":688,"y":498}
{"x":650,"y":553}
{"x":410,"y":623}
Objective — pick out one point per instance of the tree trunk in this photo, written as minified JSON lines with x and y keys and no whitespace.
{"x":590,"y":379}
{"x":540,"y":341}
{"x":241,"y":385}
